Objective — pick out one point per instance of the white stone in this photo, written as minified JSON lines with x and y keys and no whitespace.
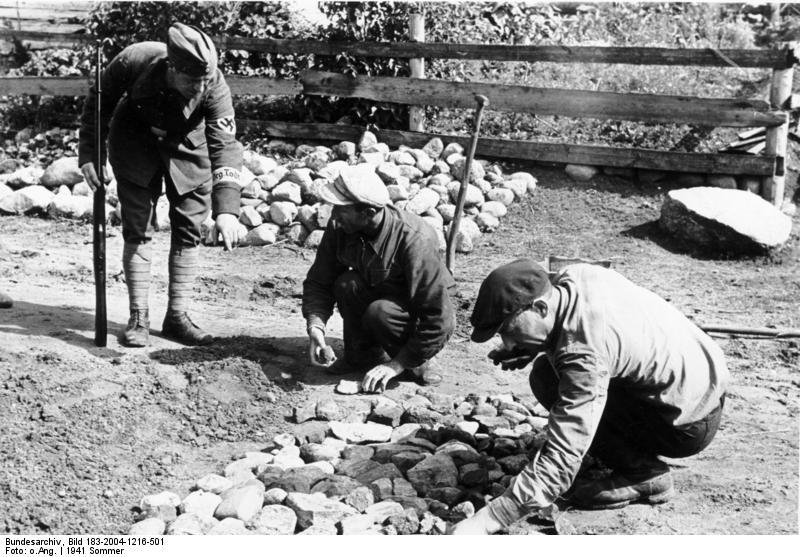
{"x":228,"y":527}
{"x":357,"y":524}
{"x":314,"y":238}
{"x":262,"y":235}
{"x":317,"y":160}
{"x":725,"y":219}
{"x":469,"y":427}
{"x":425,"y":199}
{"x":502,"y":195}
{"x":397,"y":193}
{"x":345,"y":149}
{"x":487,"y":222}
{"x":447,"y":212}
{"x":332,"y":170}
{"x":288,"y":191}
{"x":275,"y":520}
{"x":282,"y":213}
{"x":372,"y":159}
{"x":721,"y":181}
{"x":82,"y":188}
{"x":148,"y":527}
{"x":66,"y":205}
{"x":367,"y":139}
{"x":30,"y":199}
{"x":62,"y":171}
{"x":5,"y":190}
{"x":403,"y":431}
{"x":581,"y":172}
{"x":313,"y":509}
{"x":26,"y":176}
{"x":326,"y":466}
{"x":189,"y":525}
{"x":285,"y":440}
{"x":388,"y":172}
{"x":369,"y":432}
{"x":434,"y":148}
{"x":494,"y":208}
{"x":241,"y":502}
{"x":529,"y":179}
{"x":274,"y":496}
{"x":248,"y":216}
{"x":165,"y":498}
{"x":379,"y":512}
{"x":458,"y":165}
{"x":450,"y":149}
{"x":299,"y":176}
{"x":519,"y":187}
{"x":213,"y":483}
{"x":258,"y":164}
{"x":201,"y":503}
{"x":287,"y":461}
{"x":324,"y":214}
{"x":347,"y":387}
{"x":402,"y":157}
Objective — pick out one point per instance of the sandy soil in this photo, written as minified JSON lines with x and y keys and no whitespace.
{"x":85,"y":432}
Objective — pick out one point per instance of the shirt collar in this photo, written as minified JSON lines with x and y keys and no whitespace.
{"x":383,"y":232}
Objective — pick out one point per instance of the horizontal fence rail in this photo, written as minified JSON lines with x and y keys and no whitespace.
{"x":564,"y":102}
{"x":711,"y":163}
{"x":651,"y":56}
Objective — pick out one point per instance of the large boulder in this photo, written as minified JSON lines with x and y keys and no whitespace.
{"x":724,"y":219}
{"x":25,"y":176}
{"x":63,"y":171}
{"x":30,"y":199}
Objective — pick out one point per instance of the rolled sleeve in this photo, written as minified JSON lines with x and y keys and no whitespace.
{"x":583,"y":388}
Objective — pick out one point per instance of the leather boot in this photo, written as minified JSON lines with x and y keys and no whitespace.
{"x":178,"y":327}
{"x":5,"y":300}
{"x":137,"y":333}
{"x":650,"y":483}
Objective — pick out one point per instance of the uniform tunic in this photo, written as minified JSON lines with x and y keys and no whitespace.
{"x":152,"y":129}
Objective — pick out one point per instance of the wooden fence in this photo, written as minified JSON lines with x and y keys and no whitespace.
{"x":416,"y":91}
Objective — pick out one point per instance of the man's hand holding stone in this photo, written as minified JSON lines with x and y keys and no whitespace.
{"x":379,"y":376}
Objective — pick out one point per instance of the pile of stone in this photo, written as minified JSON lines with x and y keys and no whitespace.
{"x":386,"y":466}
{"x":282,"y":201}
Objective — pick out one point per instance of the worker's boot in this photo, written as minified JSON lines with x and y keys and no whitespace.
{"x":137,"y":333}
{"x":429,"y":374}
{"x":5,"y":300}
{"x":649,"y":483}
{"x":179,"y":327}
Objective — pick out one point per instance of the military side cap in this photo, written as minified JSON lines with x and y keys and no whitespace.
{"x":507,"y":289}
{"x":190,"y":50}
{"x":356,"y":185}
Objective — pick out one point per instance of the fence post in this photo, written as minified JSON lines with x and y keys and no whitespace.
{"x":416,"y":33}
{"x":780,"y":95}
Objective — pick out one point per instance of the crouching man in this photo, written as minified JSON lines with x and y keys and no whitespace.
{"x":381,"y":267}
{"x":625,"y":375}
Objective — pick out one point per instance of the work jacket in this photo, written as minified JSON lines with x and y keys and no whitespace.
{"x":153,"y":127}
{"x":402,"y":261}
{"x":609,"y":329}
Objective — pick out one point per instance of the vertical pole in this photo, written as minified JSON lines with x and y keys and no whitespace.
{"x":780,"y":95}
{"x":99,"y":214}
{"x":416,"y":33}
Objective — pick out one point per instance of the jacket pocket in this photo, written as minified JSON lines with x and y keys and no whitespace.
{"x":196,"y":138}
{"x":377,"y":276}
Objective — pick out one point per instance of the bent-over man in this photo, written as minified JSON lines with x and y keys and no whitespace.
{"x":626,"y":377}
{"x":381,"y":267}
{"x":167,"y":114}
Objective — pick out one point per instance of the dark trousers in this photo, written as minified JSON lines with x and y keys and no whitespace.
{"x":372,"y":317}
{"x":630,"y":433}
{"x":186,"y":212}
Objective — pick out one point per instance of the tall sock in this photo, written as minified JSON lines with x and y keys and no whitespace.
{"x":182,"y":270}
{"x":136,"y":265}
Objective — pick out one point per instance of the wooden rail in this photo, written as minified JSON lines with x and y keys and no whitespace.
{"x":651,"y":56}
{"x":703,"y":163}
{"x":565,"y":102}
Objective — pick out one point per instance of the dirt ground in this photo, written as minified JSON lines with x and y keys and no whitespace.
{"x":86,"y":431}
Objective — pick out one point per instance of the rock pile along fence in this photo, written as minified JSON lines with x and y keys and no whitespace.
{"x":768,"y":169}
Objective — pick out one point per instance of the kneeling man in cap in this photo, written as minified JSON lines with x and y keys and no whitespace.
{"x":167,"y":114}
{"x":381,"y":267}
{"x":625,"y":375}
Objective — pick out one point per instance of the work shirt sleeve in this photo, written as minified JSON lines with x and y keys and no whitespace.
{"x":318,"y":299}
{"x":224,"y":150}
{"x":115,"y":79}
{"x":583,"y":389}
{"x":429,"y":301}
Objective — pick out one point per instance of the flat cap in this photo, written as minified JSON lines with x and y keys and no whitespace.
{"x":356,"y":185}
{"x":190,"y":50}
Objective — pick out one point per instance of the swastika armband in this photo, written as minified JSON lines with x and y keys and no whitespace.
{"x":226,"y":124}
{"x":225,"y":174}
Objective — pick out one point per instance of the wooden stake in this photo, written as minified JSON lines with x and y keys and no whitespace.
{"x":416,"y":33}
{"x":780,"y":95}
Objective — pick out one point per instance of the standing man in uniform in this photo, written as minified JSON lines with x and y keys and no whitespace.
{"x":171,"y":119}
{"x":624,"y":374}
{"x":381,"y":267}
